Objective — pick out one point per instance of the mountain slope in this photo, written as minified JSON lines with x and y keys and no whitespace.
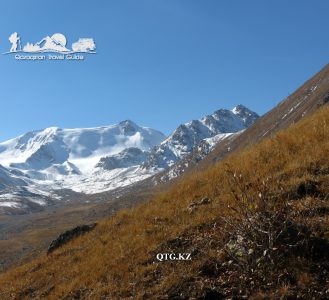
{"x":274,"y":191}
{"x":308,"y":98}
{"x":9,"y":179}
{"x":200,"y":152}
{"x":126,"y":158}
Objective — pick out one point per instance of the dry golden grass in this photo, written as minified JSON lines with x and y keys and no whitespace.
{"x":109,"y":263}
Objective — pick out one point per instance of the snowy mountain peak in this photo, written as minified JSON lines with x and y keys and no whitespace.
{"x":248,"y":116}
{"x":53,"y":129}
{"x":128,"y":123}
{"x":128,"y":127}
{"x":238,"y":108}
{"x":187,"y":136}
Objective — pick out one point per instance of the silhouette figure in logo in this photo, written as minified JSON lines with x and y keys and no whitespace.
{"x":15,"y":41}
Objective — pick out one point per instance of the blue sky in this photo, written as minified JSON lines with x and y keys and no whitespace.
{"x":159,"y":62}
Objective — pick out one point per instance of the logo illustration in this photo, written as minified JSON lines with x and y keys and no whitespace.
{"x":14,"y":39}
{"x":56,"y":43}
{"x":55,"y":46}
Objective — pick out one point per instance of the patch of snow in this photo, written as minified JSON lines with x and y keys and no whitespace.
{"x":213,"y":141}
{"x":10,"y":204}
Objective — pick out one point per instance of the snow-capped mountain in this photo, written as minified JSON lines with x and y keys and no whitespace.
{"x":50,"y":153}
{"x":38,"y":164}
{"x":189,"y":135}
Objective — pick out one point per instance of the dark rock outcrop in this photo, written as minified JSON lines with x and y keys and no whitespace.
{"x":69,"y":235}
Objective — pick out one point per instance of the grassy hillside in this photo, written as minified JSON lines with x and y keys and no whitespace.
{"x":263,"y":232}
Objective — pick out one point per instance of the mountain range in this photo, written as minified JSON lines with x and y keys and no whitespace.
{"x":37,"y":165}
